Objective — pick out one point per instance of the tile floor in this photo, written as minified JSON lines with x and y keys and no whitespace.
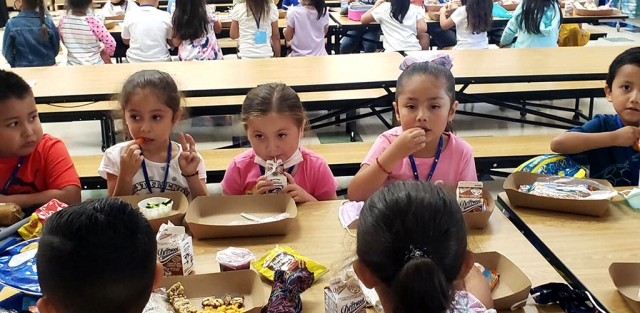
{"x":209,"y":136}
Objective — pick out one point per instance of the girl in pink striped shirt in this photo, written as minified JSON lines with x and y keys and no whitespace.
{"x":83,"y":35}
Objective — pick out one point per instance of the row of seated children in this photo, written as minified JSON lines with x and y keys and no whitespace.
{"x":36,"y":167}
{"x":465,"y":26}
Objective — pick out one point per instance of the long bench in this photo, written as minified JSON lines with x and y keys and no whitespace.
{"x":344,"y":158}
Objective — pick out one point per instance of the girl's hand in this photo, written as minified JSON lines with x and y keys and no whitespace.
{"x":130,"y":160}
{"x":105,"y":57}
{"x":409,"y":142}
{"x":296,"y":192}
{"x":264,"y":185}
{"x":188,"y":159}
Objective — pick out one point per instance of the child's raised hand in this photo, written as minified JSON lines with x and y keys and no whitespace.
{"x":130,"y":160}
{"x":627,"y":136}
{"x":296,"y":192}
{"x":264,"y":185}
{"x":189,"y":158}
{"x":410,"y":141}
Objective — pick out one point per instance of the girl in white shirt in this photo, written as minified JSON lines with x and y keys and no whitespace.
{"x":400,"y":21}
{"x":472,"y":21}
{"x":255,"y":24}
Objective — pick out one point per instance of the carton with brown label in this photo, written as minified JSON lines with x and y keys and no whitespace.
{"x":344,"y":296}
{"x":175,"y":250}
{"x":469,"y":196}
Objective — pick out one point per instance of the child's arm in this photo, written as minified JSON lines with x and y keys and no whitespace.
{"x":371,"y":177}
{"x":578,"y":142}
{"x":69,"y":195}
{"x":290,"y":29}
{"x":130,"y":161}
{"x":217,"y":26}
{"x":512,"y":27}
{"x":476,"y":284}
{"x":101,"y":32}
{"x":422,"y":25}
{"x":369,"y":16}
{"x":275,"y":39}
{"x":192,"y":167}
{"x":234,"y":31}
{"x":176,"y":42}
{"x":447,"y":22}
{"x":126,"y":35}
{"x":8,"y":46}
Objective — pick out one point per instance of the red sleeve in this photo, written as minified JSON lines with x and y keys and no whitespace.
{"x":59,"y":168}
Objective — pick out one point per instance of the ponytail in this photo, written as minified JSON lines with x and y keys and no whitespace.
{"x":399,"y":9}
{"x":44,"y":32}
{"x":321,"y":7}
{"x":421,"y":284}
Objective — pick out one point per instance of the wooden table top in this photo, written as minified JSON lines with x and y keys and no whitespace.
{"x":318,"y":235}
{"x":588,"y":245}
{"x":325,"y":73}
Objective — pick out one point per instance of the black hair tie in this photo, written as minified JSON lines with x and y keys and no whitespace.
{"x":416,"y":252}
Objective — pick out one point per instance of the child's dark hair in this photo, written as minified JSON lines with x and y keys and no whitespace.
{"x":479,"y":15}
{"x":162,"y":84}
{"x":275,"y":98}
{"x":259,"y":9}
{"x":321,"y":7}
{"x":413,"y":238}
{"x":533,"y":12}
{"x":399,"y":9}
{"x":630,"y":56}
{"x":39,"y":5}
{"x":432,"y":69}
{"x":78,"y":6}
{"x":13,"y":86}
{"x":97,"y":256}
{"x":190,"y":19}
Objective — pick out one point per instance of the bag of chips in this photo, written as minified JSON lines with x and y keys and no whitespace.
{"x":18,"y":267}
{"x":285,"y":259}
{"x":33,"y":229}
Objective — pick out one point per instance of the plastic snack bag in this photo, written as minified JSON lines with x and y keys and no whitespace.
{"x":285,"y":259}
{"x":33,"y":229}
{"x":18,"y":267}
{"x":492,"y":276}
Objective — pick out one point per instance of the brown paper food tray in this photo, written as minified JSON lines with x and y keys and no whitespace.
{"x":480,"y":220}
{"x":520,"y":199}
{"x":209,"y":217}
{"x":626,"y":277}
{"x":513,"y":286}
{"x":179,"y":209}
{"x":244,"y":283}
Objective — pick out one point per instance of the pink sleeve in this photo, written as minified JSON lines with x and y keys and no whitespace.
{"x":467,"y":164}
{"x":102,"y":34}
{"x":382,"y":143}
{"x":231,"y":184}
{"x":325,"y":183}
{"x":64,"y":17}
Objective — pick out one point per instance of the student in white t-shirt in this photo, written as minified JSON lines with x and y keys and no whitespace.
{"x":400,"y":21}
{"x":147,"y":31}
{"x":255,"y":24}
{"x":116,"y":9}
{"x":472,"y":21}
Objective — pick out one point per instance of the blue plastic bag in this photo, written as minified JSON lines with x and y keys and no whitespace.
{"x":499,"y":11}
{"x":18,"y":267}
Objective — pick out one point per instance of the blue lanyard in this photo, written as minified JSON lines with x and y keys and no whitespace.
{"x":13,"y":175}
{"x":635,"y":171}
{"x":126,"y":6}
{"x":166,"y":171}
{"x":433,"y":166}
{"x":289,"y":170}
{"x":258,"y":23}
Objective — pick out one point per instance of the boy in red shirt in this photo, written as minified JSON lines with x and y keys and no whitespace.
{"x":34,"y":167}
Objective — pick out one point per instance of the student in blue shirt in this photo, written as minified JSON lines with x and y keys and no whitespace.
{"x":30,"y":38}
{"x":609,"y":142}
{"x":537,"y":24}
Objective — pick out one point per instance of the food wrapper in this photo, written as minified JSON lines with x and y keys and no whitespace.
{"x":158,"y":302}
{"x":275,"y":173}
{"x":437,"y":58}
{"x":286,"y":290}
{"x":10,"y":213}
{"x":175,"y":250}
{"x":492,"y":276}
{"x":285,"y":259}
{"x":18,"y":267}
{"x":33,"y":229}
{"x":568,"y":188}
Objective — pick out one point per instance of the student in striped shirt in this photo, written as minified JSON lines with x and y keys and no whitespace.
{"x":83,"y":35}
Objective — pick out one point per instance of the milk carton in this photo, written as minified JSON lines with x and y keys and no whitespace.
{"x":469,"y":196}
{"x":344,"y":296}
{"x":175,"y":250}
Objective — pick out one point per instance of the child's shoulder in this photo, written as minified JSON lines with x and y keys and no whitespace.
{"x":244,"y":158}
{"x":459,"y":144}
{"x":600,"y":123}
{"x":311,"y":156}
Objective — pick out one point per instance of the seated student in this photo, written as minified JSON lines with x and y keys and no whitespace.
{"x":472,"y":20}
{"x":537,"y":24}
{"x":274,"y":119}
{"x":97,"y":256}
{"x":255,"y":24}
{"x":116,"y":9}
{"x":148,"y":33}
{"x":607,"y":142}
{"x":307,"y":26}
{"x":34,"y":167}
{"x":425,"y":106}
{"x":412,"y":249}
{"x":402,"y":23}
{"x":31,"y":38}
{"x":84,"y":35}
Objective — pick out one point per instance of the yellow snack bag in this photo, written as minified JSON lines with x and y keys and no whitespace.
{"x":33,"y":229}
{"x":285,"y":259}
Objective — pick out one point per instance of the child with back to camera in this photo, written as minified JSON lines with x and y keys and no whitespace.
{"x":422,"y":147}
{"x":195,"y":26}
{"x":609,"y":142}
{"x":537,"y":24}
{"x":307,"y":26}
{"x":402,"y":23}
{"x":275,"y":120}
{"x":472,"y":20}
{"x":412,"y":249}
{"x":83,"y":36}
{"x":255,"y":24}
{"x":153,"y":163}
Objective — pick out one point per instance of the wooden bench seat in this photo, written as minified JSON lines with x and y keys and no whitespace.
{"x":345,"y":158}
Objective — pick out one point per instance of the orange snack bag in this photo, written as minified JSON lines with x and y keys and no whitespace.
{"x":36,"y":222}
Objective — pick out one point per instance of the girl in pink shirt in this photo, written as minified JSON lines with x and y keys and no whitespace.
{"x":412,"y":249}
{"x":274,"y":119}
{"x":422,"y":148}
{"x":307,"y":25}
